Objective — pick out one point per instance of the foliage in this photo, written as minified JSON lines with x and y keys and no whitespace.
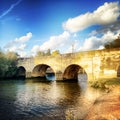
{"x":48,"y":53}
{"x":55,"y":53}
{"x":8,"y":64}
{"x":113,"y":44}
{"x":104,"y":83}
{"x":113,"y":81}
{"x":97,"y":84}
{"x":42,"y":53}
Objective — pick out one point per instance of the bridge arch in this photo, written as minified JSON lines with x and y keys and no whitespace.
{"x":118,"y":71}
{"x":42,"y":70}
{"x":72,"y":72}
{"x":21,"y":71}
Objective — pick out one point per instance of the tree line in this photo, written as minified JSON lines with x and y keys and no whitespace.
{"x":47,"y":53}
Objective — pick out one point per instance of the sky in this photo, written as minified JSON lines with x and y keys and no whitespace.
{"x":29,"y":26}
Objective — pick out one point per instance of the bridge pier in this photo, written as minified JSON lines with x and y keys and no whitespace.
{"x":28,"y":74}
{"x":59,"y":76}
{"x":90,"y":76}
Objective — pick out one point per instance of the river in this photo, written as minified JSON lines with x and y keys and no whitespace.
{"x":33,"y":99}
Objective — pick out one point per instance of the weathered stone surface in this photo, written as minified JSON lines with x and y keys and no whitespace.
{"x":97,"y":64}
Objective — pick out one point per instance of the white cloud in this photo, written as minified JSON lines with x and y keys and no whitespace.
{"x":74,"y":46}
{"x":22,"y":47}
{"x":18,"y":41}
{"x":106,"y":14}
{"x":23,"y":38}
{"x":94,"y":32}
{"x":35,"y":49}
{"x":55,"y":42}
{"x":74,"y":35}
{"x":19,"y":44}
{"x":15,"y":48}
{"x":95,"y":42}
{"x":22,"y":54}
{"x":101,"y":47}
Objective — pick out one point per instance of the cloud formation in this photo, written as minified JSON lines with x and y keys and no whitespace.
{"x":10,"y":9}
{"x":106,"y":14}
{"x":23,"y":38}
{"x":94,"y":42}
{"x":54,"y":43}
{"x":104,"y":29}
{"x":19,"y":44}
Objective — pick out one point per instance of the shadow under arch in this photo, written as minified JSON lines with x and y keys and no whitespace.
{"x":21,"y":72}
{"x":43,"y":71}
{"x":74,"y":72}
{"x":118,"y":71}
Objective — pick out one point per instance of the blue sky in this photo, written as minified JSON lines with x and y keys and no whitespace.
{"x":29,"y":26}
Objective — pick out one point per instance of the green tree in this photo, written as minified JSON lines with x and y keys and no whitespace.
{"x":40,"y":53}
{"x":48,"y":52}
{"x":55,"y":53}
{"x":2,"y":65}
{"x":11,"y":55}
{"x":8,"y":66}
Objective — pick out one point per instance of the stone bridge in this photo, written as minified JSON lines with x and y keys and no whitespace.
{"x":95,"y":64}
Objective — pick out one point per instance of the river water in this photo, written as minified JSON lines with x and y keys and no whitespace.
{"x":33,"y":99}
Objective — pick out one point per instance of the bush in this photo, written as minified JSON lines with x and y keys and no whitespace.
{"x":104,"y":83}
{"x":98,"y":84}
{"x":8,"y":66}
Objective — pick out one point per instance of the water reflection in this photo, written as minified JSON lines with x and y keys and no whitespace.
{"x":50,"y":76}
{"x":47,"y":95}
{"x":35,"y":100}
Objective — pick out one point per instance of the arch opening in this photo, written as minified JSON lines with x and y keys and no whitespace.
{"x":21,"y":72}
{"x":43,"y":71}
{"x":74,"y":72}
{"x":118,"y":72}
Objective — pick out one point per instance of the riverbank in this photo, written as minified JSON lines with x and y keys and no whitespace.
{"x":107,"y":83}
{"x":106,"y":107}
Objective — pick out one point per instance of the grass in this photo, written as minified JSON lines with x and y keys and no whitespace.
{"x":104,"y":83}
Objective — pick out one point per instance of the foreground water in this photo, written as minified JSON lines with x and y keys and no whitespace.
{"x":33,"y":99}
